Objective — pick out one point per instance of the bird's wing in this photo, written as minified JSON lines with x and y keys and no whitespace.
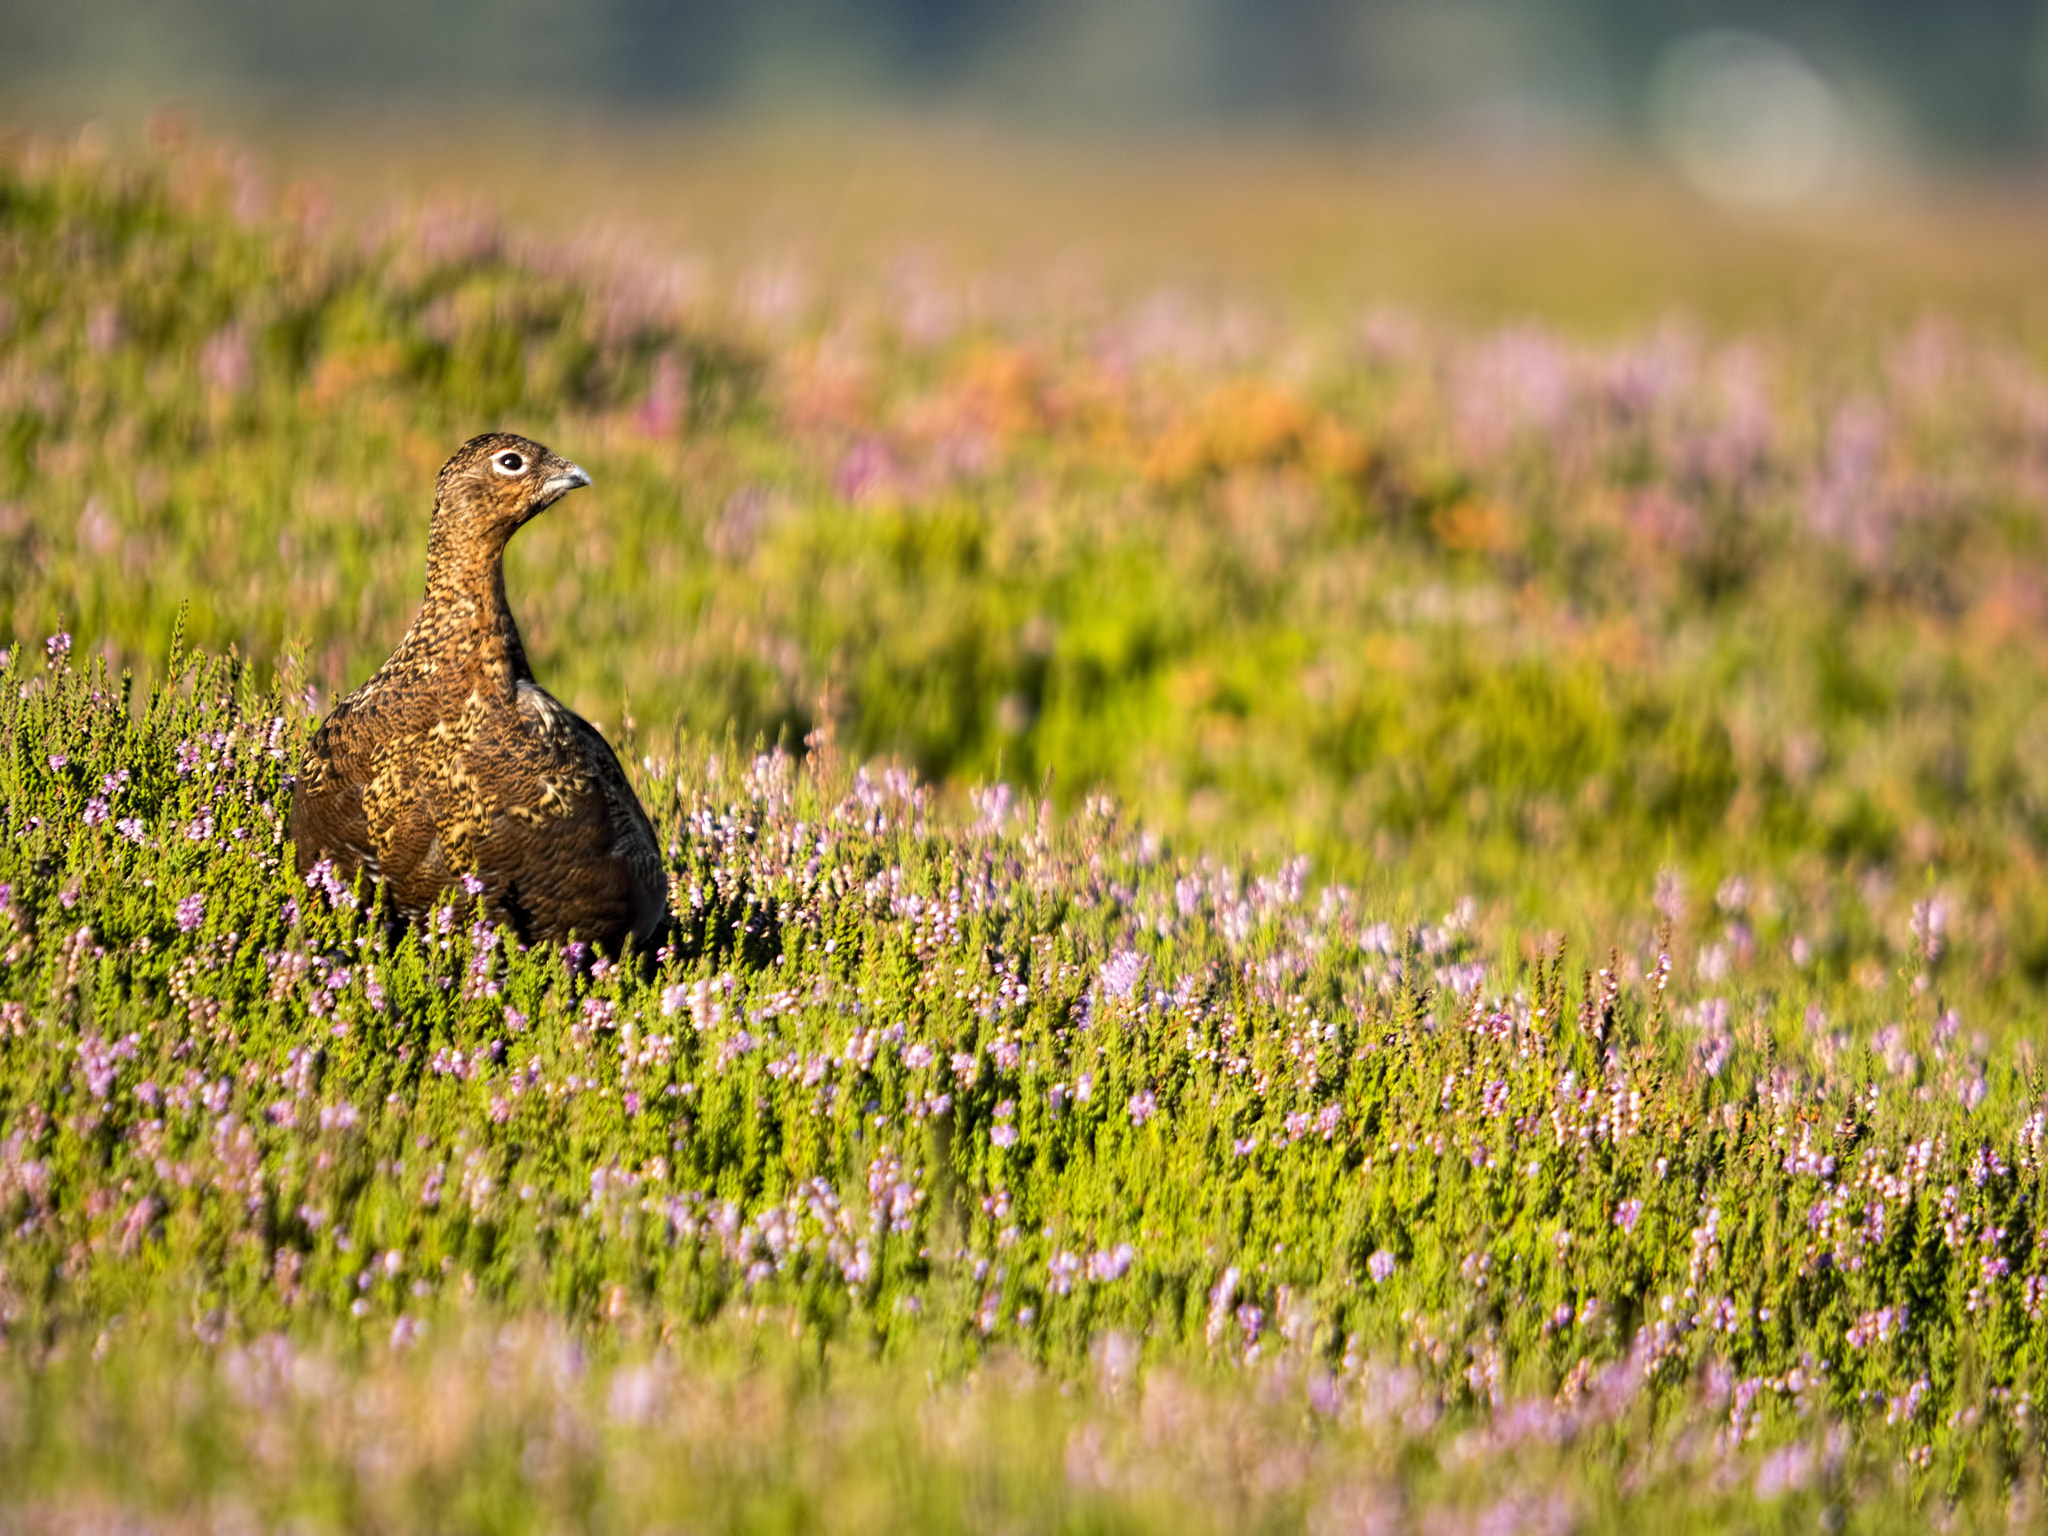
{"x":328,"y":819}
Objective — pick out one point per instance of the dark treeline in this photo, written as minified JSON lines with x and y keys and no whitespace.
{"x":1966,"y":76}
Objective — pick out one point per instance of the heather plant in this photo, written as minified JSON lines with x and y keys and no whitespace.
{"x":1017,"y":1100}
{"x":1504,"y":612}
{"x":1278,"y":927}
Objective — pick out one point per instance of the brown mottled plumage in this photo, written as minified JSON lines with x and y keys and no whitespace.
{"x":453,"y":761}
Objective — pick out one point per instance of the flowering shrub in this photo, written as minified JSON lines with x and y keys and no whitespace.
{"x":1625,"y":1105}
{"x":877,"y":1089}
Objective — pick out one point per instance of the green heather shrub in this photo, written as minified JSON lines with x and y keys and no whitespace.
{"x":1013,"y":1098}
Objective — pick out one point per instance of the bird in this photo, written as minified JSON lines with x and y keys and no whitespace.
{"x":453,"y":768}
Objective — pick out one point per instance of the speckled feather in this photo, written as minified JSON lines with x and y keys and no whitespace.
{"x":453,"y":761}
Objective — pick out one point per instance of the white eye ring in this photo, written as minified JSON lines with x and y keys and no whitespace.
{"x":509,"y":463}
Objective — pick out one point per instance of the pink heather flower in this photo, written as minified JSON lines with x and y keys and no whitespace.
{"x":919,"y":1056}
{"x":96,"y":810}
{"x":868,"y":472}
{"x":1144,"y":1105}
{"x":57,"y":647}
{"x":339,"y":1116}
{"x":1627,"y":1214}
{"x":1061,"y":1268}
{"x":1380,"y":1266}
{"x":57,"y":762}
{"x":1004,"y":1135}
{"x":191,"y":912}
{"x":668,"y":398}
{"x":224,"y":362}
{"x":1108,"y":1264}
{"x":1121,"y":974}
{"x":322,"y":876}
{"x":1245,"y":1146}
{"x":674,"y":999}
{"x":472,"y":886}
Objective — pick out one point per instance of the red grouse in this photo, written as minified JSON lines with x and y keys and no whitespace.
{"x":453,"y":765}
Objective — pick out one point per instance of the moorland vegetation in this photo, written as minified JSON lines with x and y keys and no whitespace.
{"x":1374,"y":926}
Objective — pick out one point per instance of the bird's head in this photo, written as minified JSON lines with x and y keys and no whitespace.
{"x":494,"y":483}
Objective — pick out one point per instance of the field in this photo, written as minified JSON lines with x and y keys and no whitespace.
{"x":1299,"y":911}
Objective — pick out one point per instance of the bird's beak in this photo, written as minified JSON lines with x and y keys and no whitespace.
{"x":565,"y":480}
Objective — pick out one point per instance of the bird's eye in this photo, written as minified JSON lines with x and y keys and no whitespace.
{"x":509,"y":463}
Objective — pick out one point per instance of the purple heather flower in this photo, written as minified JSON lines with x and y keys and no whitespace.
{"x":1144,"y":1105}
{"x":57,"y":647}
{"x":96,"y":810}
{"x":1627,"y":1214}
{"x":1004,"y":1135}
{"x":1380,"y":1266}
{"x":1111,"y":1263}
{"x":191,"y":912}
{"x":472,"y":886}
{"x":1062,"y":1267}
{"x":57,"y":762}
{"x":1121,"y":974}
{"x":918,"y":1056}
{"x":674,"y":999}
{"x":323,"y":877}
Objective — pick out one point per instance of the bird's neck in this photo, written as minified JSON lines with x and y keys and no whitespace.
{"x":465,"y":619}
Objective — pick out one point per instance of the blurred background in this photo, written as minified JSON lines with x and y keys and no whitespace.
{"x":1555,"y":452}
{"x":1760,"y":101}
{"x":1416,"y":149}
